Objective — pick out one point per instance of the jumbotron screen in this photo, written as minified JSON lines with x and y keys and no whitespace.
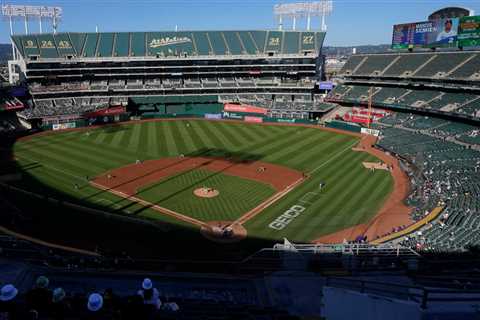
{"x":426,"y":34}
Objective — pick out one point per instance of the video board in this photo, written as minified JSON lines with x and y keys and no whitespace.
{"x":426,"y":34}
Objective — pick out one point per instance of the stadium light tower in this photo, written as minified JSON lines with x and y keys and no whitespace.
{"x":20,"y":12}
{"x":303,"y":10}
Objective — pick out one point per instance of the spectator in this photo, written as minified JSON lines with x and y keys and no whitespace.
{"x":39,"y":298}
{"x":111,"y":302}
{"x":7,"y":304}
{"x":149,"y":294}
{"x":60,"y":307}
{"x":94,"y":307}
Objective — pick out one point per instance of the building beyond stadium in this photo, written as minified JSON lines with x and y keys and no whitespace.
{"x":70,"y":74}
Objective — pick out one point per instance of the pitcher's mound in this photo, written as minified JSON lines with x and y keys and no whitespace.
{"x":223,"y":231}
{"x":206,"y":192}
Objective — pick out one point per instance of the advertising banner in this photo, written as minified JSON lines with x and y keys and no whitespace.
{"x":62,"y":126}
{"x":253,"y":119}
{"x":232,"y":115}
{"x":244,"y":108}
{"x":372,"y":132}
{"x":469,"y":32}
{"x":215,"y":116}
{"x":426,"y":34}
{"x":325,"y":85}
{"x":106,"y":112}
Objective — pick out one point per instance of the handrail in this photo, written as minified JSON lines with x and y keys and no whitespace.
{"x":412,"y":228}
{"x":415,"y":293}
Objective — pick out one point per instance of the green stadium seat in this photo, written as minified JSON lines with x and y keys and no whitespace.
{"x":105,"y":45}
{"x":202,"y":43}
{"x":292,"y":43}
{"x":218,"y":42}
{"x":259,"y":37}
{"x":443,"y":62}
{"x":137,"y":44}
{"x":248,"y":42}
{"x":122,"y":44}
{"x":233,"y":42}
{"x":90,"y":48}
{"x":375,"y":63}
{"x":78,"y":41}
{"x":407,"y":63}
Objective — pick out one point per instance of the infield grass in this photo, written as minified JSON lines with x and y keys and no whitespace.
{"x":237,"y":195}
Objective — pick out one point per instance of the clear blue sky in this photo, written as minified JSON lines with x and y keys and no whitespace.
{"x":353,"y":22}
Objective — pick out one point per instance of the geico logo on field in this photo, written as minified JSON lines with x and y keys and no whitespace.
{"x":282,"y":221}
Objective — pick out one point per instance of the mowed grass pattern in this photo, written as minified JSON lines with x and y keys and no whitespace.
{"x":237,"y":195}
{"x":353,"y":194}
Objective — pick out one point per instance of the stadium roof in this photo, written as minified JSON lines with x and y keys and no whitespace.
{"x":168,"y":44}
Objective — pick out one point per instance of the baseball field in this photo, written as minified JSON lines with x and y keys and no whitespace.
{"x":272,"y":181}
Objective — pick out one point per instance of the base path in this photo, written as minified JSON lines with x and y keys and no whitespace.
{"x":394,"y":212}
{"x":128,"y":180}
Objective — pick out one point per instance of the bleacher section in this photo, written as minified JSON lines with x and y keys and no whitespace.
{"x":460,"y":65}
{"x":448,"y":156}
{"x":437,"y":101}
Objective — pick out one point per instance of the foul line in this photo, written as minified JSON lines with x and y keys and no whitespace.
{"x":52,"y":168}
{"x":334,"y":157}
{"x":267,"y":203}
{"x":155,"y":207}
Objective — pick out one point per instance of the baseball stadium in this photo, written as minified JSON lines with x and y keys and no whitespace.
{"x":246,"y":152}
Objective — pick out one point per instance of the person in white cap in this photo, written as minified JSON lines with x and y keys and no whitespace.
{"x":149,"y":294}
{"x":8,"y":308}
{"x":95,"y":308}
{"x":39,"y":297}
{"x":95,"y":302}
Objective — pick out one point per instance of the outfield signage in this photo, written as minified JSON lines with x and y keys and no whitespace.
{"x":62,"y":126}
{"x":372,"y":132}
{"x":288,"y":216}
{"x":426,"y":34}
{"x":243,"y":108}
{"x":214,"y":116}
{"x":469,"y":32}
{"x":325,"y":85}
{"x":106,"y":112}
{"x":232,"y":115}
{"x":253,"y":119}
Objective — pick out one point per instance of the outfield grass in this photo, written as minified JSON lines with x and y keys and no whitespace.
{"x":237,"y":195}
{"x":352,"y":195}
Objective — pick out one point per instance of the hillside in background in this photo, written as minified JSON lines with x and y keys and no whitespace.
{"x":346,"y":51}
